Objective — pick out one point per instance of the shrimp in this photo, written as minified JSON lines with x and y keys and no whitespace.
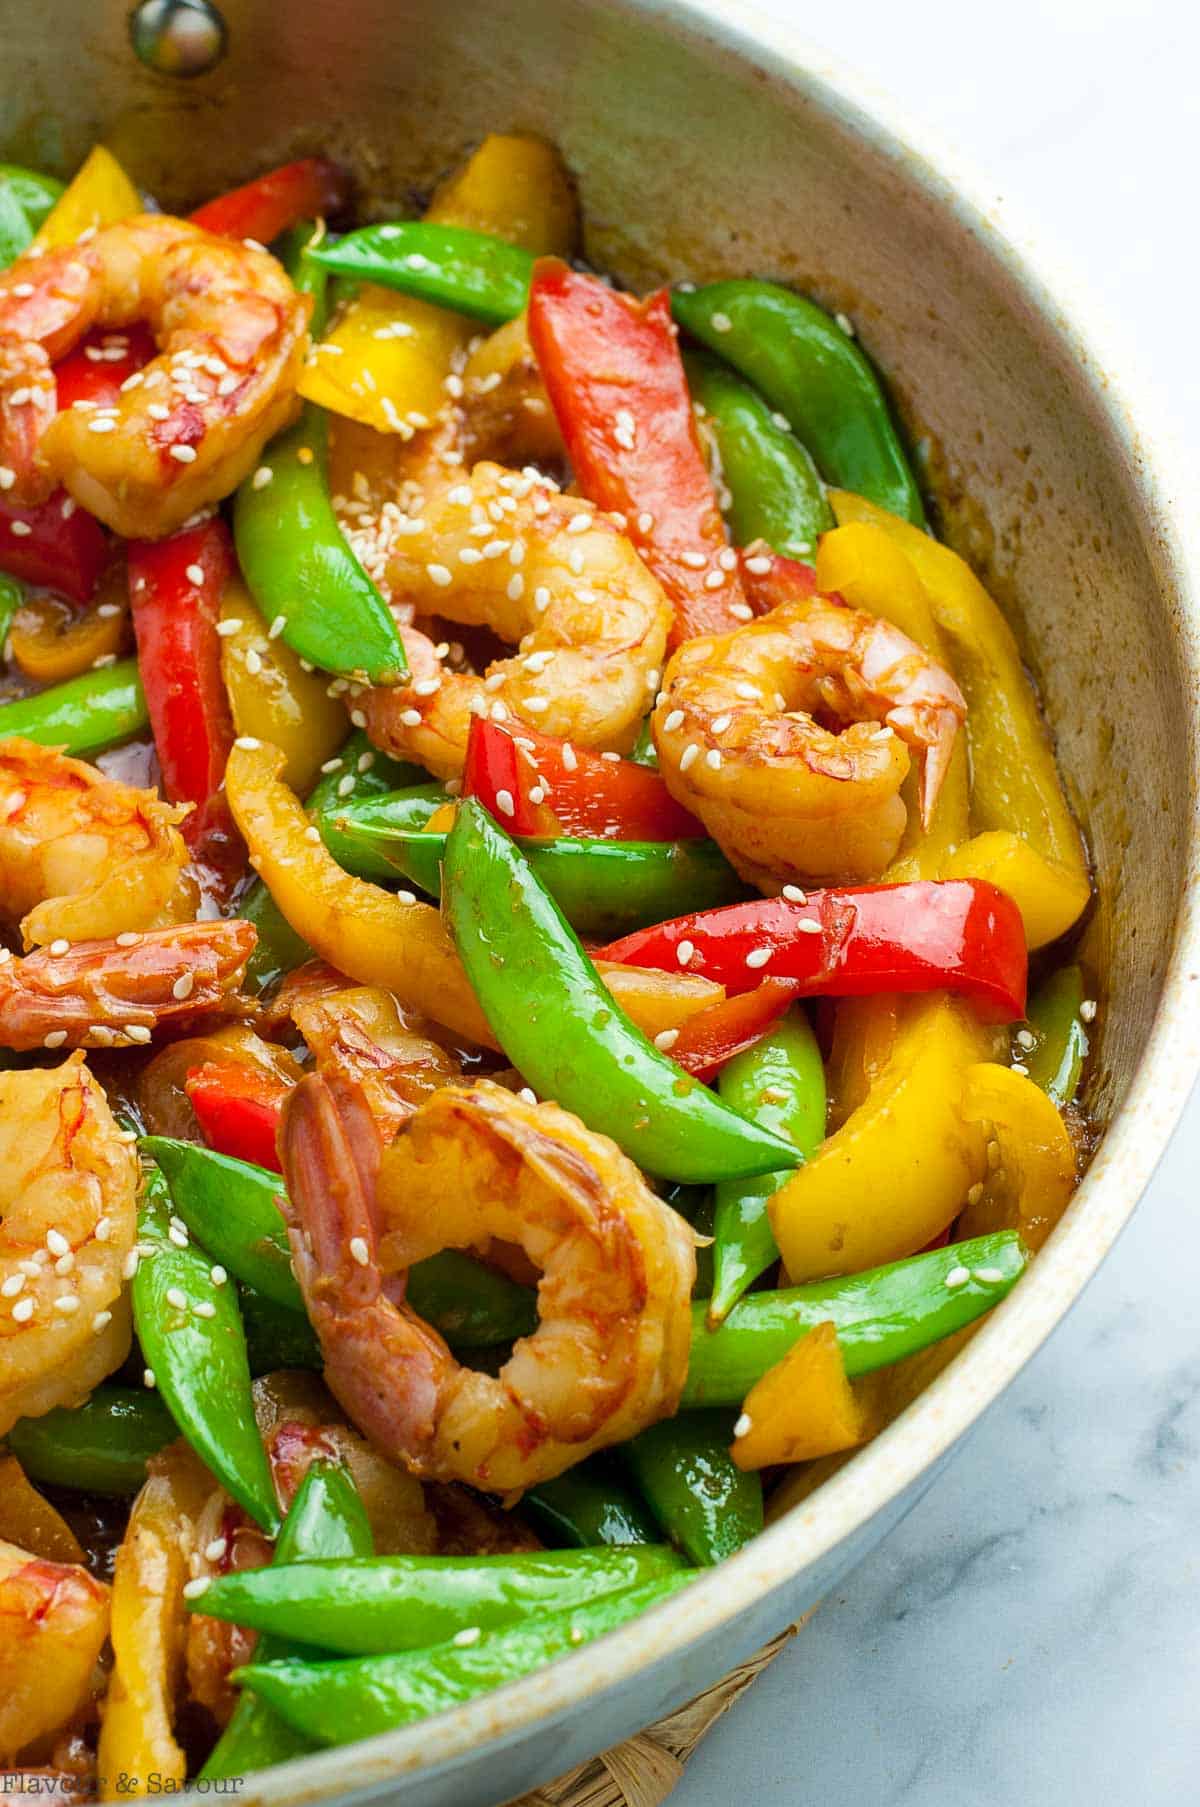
{"x":188,"y":428}
{"x":68,"y":1219}
{"x":116,"y":993}
{"x":611,"y":1351}
{"x":505,"y":550}
{"x":53,"y":1623}
{"x":81,"y":854}
{"x":786,"y":798}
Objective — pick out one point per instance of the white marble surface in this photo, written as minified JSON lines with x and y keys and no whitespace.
{"x":1029,"y":1634}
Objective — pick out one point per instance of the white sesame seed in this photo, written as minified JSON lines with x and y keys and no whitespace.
{"x":195,"y":574}
{"x":54,"y":1039}
{"x":793,"y":894}
{"x":666,"y":1039}
{"x":846,"y":324}
{"x":7,"y":477}
{"x":137,"y":1032}
{"x":129,"y":1266}
{"x":214,"y":1551}
{"x":695,"y":561}
{"x":1087,"y":1010}
{"x":359,"y":1251}
{"x":712,"y":759}
{"x":720,"y":723}
{"x":218,"y":1275}
{"x":23,"y":1310}
{"x":575,"y":561}
{"x":1026,"y":1039}
{"x":684,"y":953}
{"x":807,"y":925}
{"x":505,"y":804}
{"x":254,"y":662}
{"x":440,"y":575}
{"x":541,"y":598}
{"x":20,"y":530}
{"x":192,"y":1590}
{"x":128,"y":938}
{"x":14,"y":1284}
{"x":101,"y":1321}
{"x":65,"y":1263}
{"x":758,"y":566}
{"x":990,"y":1276}
{"x":247,"y":743}
{"x":674,"y":721}
{"x":233,"y":624}
{"x":411,"y":718}
{"x":570,"y":758}
{"x":743,"y":1426}
{"x":580,"y":523}
{"x":57,"y":1243}
{"x":958,"y":1276}
{"x":528,"y":1094}
{"x":689,"y":755}
{"x":67,"y":1304}
{"x":741,"y":611}
{"x":149,"y":1378}
{"x":177,"y":1299}
{"x":204,"y":1308}
{"x":714,"y":580}
{"x":183,"y":986}
{"x":758,"y":956}
{"x":1018,"y":1066}
{"x":262,"y":476}
{"x":183,"y":454}
{"x":516,"y":587}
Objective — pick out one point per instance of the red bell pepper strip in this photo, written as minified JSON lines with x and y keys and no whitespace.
{"x":313,"y":188}
{"x":502,"y":776}
{"x":100,"y":363}
{"x":598,"y":797}
{"x":616,"y":382}
{"x":958,"y":935}
{"x":708,"y":1039}
{"x":175,"y":587}
{"x":56,"y":546}
{"x":770,"y":579}
{"x":239,"y":1108}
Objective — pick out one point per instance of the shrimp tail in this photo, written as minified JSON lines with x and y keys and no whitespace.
{"x":935,"y":763}
{"x":383,"y":1366}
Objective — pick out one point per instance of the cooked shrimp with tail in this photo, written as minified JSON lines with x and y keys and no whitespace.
{"x":68,"y":1219}
{"x":83,"y":856}
{"x":118,"y":993}
{"x":505,"y":550}
{"x":741,"y":742}
{"x":610,"y":1354}
{"x":53,"y":1624}
{"x":232,"y":333}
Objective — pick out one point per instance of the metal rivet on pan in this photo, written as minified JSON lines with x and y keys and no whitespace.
{"x":178,"y":37}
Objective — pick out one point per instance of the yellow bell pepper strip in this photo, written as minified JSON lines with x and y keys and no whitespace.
{"x":100,"y":194}
{"x":51,"y":642}
{"x":1049,"y":898}
{"x":386,"y":359}
{"x":1015,"y":783}
{"x":272,"y":696}
{"x":864,"y":1033}
{"x":372,"y":935}
{"x":864,"y":564}
{"x":1060,"y":1041}
{"x":802,"y":1408}
{"x":30,"y":1521}
{"x":138,"y":1749}
{"x":900,"y":1167}
{"x":1031,"y":1183}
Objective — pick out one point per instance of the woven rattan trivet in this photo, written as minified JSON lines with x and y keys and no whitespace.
{"x":644,"y":1770}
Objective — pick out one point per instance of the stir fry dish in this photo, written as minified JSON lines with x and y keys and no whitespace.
{"x":520,"y":858}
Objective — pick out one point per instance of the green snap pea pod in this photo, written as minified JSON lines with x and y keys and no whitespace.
{"x":341,"y":1702}
{"x":644,"y":751}
{"x":370,"y":1607}
{"x":299,"y":565}
{"x":85,"y":715}
{"x":560,"y":1027}
{"x":101,"y":1446}
{"x":276,"y":1336}
{"x":12,"y":595}
{"x":703,"y":1501}
{"x":805,"y":365}
{"x":880,"y":1315}
{"x":603,"y":888}
{"x":34,"y":193}
{"x":775,"y":493}
{"x":230,"y":1207}
{"x":1062,"y":1041}
{"x":472,"y":272}
{"x":308,"y":276}
{"x":359,"y":770}
{"x":15,"y":230}
{"x":780,"y":1081}
{"x":190,"y":1330}
{"x":326,"y":1521}
{"x":589,"y":1504}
